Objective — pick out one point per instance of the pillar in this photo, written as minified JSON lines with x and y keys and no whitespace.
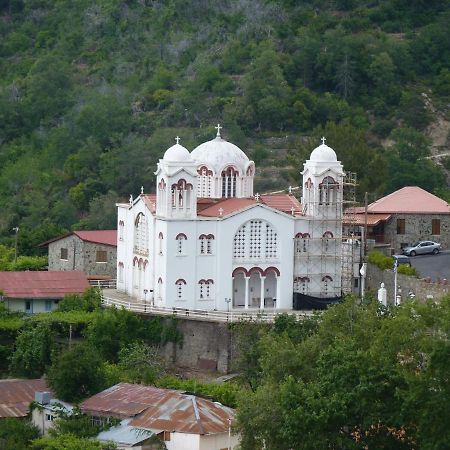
{"x":247,"y":279}
{"x":261,"y":300}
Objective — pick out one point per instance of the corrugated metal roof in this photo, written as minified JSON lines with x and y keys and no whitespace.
{"x":123,"y":400}
{"x":105,"y":237}
{"x":410,"y":200}
{"x":124,"y":434}
{"x":16,"y":396}
{"x":40,"y":284}
{"x":184,"y":413}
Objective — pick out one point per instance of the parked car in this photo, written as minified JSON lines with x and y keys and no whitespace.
{"x":422,"y":247}
{"x":402,"y":259}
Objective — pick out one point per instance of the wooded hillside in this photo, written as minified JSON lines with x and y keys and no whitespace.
{"x":93,"y":92}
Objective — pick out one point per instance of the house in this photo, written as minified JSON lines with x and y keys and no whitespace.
{"x":181,"y":420}
{"x":17,"y":395}
{"x":34,"y":292}
{"x":91,"y":252}
{"x":404,"y":217}
{"x":48,"y":410}
{"x":205,"y":240}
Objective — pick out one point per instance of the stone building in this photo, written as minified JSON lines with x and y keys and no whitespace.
{"x":92,"y":252}
{"x":404,"y":217}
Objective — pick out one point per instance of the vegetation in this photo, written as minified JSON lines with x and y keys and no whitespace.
{"x":382,"y":261}
{"x":362,"y":377}
{"x":92,"y":93}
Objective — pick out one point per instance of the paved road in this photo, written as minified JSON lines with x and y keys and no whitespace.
{"x":434,"y":266}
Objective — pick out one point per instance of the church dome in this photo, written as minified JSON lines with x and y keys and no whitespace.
{"x":323,"y":153}
{"x":218,"y":154}
{"x":177,"y":153}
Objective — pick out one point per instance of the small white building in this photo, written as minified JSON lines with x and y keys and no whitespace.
{"x":205,"y":239}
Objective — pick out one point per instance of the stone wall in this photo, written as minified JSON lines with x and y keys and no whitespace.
{"x":417,"y":228}
{"x":206,"y":345}
{"x":405,"y":284}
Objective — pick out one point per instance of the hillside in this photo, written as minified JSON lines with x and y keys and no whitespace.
{"x":93,"y":92}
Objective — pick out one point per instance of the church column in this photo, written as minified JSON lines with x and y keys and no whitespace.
{"x":261,"y":300}
{"x":278,"y":305}
{"x":247,"y":279}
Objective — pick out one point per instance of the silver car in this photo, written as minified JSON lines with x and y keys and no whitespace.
{"x":422,"y":247}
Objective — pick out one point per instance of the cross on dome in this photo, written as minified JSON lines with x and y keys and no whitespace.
{"x":220,"y":211}
{"x":218,"y":128}
{"x":323,"y":140}
{"x":142,"y":189}
{"x":177,"y":139}
{"x":257,"y":197}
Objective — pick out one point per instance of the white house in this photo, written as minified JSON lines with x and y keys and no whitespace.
{"x":205,"y":239}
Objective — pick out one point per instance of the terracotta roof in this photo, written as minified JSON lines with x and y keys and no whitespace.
{"x":282,"y":202}
{"x":16,"y":396}
{"x":359,"y":219}
{"x":185,"y":413}
{"x":227,"y":206}
{"x":106,"y":237}
{"x":410,"y":200}
{"x":123,"y":400}
{"x":150,"y":202}
{"x":42,"y":284}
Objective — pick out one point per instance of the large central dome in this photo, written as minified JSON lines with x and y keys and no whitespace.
{"x":219,"y":154}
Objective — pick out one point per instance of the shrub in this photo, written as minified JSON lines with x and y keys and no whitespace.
{"x":380,"y":260}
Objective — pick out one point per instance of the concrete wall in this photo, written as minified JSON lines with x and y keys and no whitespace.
{"x":421,"y":288}
{"x":81,"y":255}
{"x":37,"y":305}
{"x":417,"y":228}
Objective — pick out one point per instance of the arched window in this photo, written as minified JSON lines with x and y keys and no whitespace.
{"x":328,"y":191}
{"x":204,"y":181}
{"x":327,"y":241}
{"x":141,"y":234}
{"x":301,"y":285}
{"x":121,"y":269}
{"x":180,"y":193}
{"x":181,"y":238}
{"x":121,"y":229}
{"x":206,"y":244}
{"x":256,"y":239}
{"x":180,"y":284}
{"x":326,"y":284}
{"x":229,"y":176}
{"x":301,"y":243}
{"x":160,"y":243}
{"x":205,"y":289}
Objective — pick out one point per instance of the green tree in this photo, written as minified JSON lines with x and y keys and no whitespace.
{"x":90,"y":301}
{"x":70,"y":442}
{"x":77,"y":373}
{"x":17,"y":434}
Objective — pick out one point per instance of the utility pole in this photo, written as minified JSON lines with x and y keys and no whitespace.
{"x":16,"y":229}
{"x":365,"y":224}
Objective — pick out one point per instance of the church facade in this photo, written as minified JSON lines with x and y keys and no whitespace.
{"x":206,"y":241}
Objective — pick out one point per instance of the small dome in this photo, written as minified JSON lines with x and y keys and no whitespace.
{"x":177,"y":153}
{"x":323,"y":153}
{"x":219,"y":153}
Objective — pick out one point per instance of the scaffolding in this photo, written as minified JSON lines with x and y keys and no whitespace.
{"x":324,"y":254}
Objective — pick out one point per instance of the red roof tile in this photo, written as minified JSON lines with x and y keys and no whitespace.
{"x":16,"y":396}
{"x":106,"y":237}
{"x":226,"y":206}
{"x":283,"y":202}
{"x":359,"y":219}
{"x":42,"y":284}
{"x":150,"y":202}
{"x":410,"y":200}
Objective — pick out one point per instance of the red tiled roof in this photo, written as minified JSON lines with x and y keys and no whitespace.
{"x":410,"y":200}
{"x":282,"y":202}
{"x":123,"y":400}
{"x":359,"y":219}
{"x":185,"y":413}
{"x":150,"y":202}
{"x":227,"y":206}
{"x":42,"y":284}
{"x":16,"y":396}
{"x":106,"y":237}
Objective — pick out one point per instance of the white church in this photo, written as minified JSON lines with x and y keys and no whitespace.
{"x":206,"y":241}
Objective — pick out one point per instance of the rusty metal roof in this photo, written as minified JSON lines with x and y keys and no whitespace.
{"x":183,"y":413}
{"x":359,"y":219}
{"x":123,"y":400}
{"x":16,"y":396}
{"x":41,"y":284}
{"x":158,"y":409}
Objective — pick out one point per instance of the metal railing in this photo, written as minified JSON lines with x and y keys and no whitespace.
{"x":103,"y":284}
{"x":200,"y":314}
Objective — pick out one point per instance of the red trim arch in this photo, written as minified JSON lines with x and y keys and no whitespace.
{"x":309,"y":184}
{"x":180,"y":281}
{"x":160,"y":235}
{"x":162,"y":184}
{"x":302,"y":279}
{"x":180,"y":236}
{"x":145,"y":263}
{"x":327,"y":278}
{"x":120,"y":264}
{"x":250,"y":171}
{"x":201,"y":169}
{"x":271,"y":269}
{"x":256,"y":269}
{"x":328,"y":235}
{"x":302,"y":236}
{"x":239,"y":269}
{"x":182,"y":184}
{"x":209,"y":281}
{"x":160,"y":281}
{"x":135,"y":260}
{"x":121,"y":223}
{"x":206,"y":236}
{"x":230,"y":170}
{"x":140,"y":262}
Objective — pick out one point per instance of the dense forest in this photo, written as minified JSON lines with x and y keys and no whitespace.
{"x":93,"y":92}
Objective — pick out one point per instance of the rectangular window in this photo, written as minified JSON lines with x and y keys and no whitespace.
{"x":166,"y":436}
{"x":48,"y":305}
{"x":64,"y":254}
{"x":102,"y":256}
{"x":400,"y":226}
{"x":436,"y":227}
{"x":49,"y":418}
{"x":28,"y":306}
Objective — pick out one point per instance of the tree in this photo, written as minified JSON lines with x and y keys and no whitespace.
{"x":16,"y":434}
{"x":33,"y":351}
{"x":70,"y":442}
{"x":90,"y":301}
{"x":77,"y":373}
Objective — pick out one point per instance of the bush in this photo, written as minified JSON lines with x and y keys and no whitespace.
{"x":380,"y":260}
{"x":407,"y":270}
{"x":90,"y":301}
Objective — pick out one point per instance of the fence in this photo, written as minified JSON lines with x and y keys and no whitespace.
{"x":103,"y":284}
{"x":199,"y":314}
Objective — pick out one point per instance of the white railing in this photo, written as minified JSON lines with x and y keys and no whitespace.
{"x":103,"y":284}
{"x":200,"y":314}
